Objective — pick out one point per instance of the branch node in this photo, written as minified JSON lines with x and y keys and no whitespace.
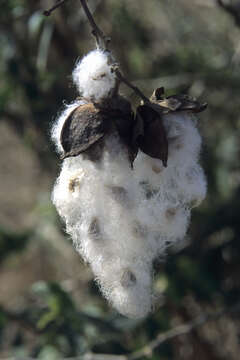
{"x":54,"y":7}
{"x":46,"y":13}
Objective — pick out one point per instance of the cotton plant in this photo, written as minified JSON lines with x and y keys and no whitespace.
{"x":127,"y":182}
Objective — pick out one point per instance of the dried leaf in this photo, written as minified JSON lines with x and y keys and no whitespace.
{"x":170,"y":103}
{"x":83,"y":127}
{"x":158,"y":94}
{"x":187,"y":103}
{"x":153,"y":142}
{"x":179,"y":102}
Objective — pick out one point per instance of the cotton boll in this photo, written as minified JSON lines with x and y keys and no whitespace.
{"x":93,"y":75}
{"x":94,"y":78}
{"x":121,"y":219}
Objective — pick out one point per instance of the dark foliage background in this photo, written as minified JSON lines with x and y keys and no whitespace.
{"x":50,"y":307}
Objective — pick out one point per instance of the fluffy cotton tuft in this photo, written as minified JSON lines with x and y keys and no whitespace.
{"x":93,"y":75}
{"x":121,"y":219}
{"x":98,"y":206}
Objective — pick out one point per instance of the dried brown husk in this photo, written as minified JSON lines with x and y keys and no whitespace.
{"x":149,"y":132}
{"x":90,"y":122}
{"x":151,"y":135}
{"x":177,"y":102}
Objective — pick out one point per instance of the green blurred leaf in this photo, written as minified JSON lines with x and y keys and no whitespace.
{"x":11,"y":242}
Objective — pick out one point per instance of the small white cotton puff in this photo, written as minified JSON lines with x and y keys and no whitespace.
{"x":93,"y":75}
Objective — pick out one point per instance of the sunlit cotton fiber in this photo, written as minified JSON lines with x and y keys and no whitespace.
{"x":93,"y":75}
{"x":121,"y":219}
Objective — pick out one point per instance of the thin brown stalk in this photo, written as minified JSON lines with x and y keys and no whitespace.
{"x":54,"y":7}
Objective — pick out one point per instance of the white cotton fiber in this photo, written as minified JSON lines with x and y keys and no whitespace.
{"x":99,"y":211}
{"x":171,"y":192}
{"x":192,"y":186}
{"x":183,"y":137}
{"x":129,"y":287}
{"x":93,"y":75}
{"x":121,"y":219}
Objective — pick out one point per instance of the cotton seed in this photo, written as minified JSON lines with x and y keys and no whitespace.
{"x":119,"y":194}
{"x":73,"y":184}
{"x":94,"y":227}
{"x":128,"y":279}
{"x":75,"y":181}
{"x":156,"y":169}
{"x":139,"y":230}
{"x":170,"y":213}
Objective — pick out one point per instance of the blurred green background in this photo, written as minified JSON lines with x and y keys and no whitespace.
{"x":50,"y":307}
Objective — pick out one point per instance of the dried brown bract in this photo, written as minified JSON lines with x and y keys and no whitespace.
{"x":149,"y":132}
{"x":153,"y":140}
{"x":90,"y":122}
{"x":180,"y":102}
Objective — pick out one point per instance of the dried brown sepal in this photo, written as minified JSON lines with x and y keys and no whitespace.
{"x":158,"y":94}
{"x":181,"y":102}
{"x":88,"y":123}
{"x":122,"y":118}
{"x":187,"y":103}
{"x":124,"y":124}
{"x":152,"y":139}
{"x":128,"y":278}
{"x":94,"y":228}
{"x":83,"y":127}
